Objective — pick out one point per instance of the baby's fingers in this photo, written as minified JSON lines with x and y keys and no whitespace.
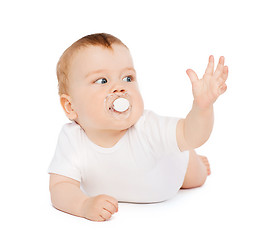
{"x":192,"y":76}
{"x":219,"y":69}
{"x":110,"y":207}
{"x":105,"y":214}
{"x":108,"y":210}
{"x":222,"y":89}
{"x":113,"y":202}
{"x":222,"y":79}
{"x":225,"y":73}
{"x":210,"y":67}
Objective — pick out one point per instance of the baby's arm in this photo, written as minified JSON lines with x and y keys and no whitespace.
{"x":67,"y":197}
{"x":195,"y":129}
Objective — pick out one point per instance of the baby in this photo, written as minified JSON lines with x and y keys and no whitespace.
{"x":114,"y":150}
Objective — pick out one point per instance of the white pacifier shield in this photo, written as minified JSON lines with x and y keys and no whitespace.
{"x":121,"y":104}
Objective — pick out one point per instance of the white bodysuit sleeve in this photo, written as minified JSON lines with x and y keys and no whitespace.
{"x":66,"y":157}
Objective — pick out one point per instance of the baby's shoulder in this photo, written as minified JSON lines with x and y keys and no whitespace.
{"x":71,"y":132}
{"x":71,"y":127}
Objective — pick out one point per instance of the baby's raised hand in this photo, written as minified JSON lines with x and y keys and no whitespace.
{"x":211,"y":86}
{"x":100,"y":208}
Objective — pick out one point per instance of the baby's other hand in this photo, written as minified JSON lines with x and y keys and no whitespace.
{"x":100,"y":208}
{"x":211,"y":86}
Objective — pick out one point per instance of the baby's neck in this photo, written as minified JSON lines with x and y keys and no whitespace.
{"x":105,"y":138}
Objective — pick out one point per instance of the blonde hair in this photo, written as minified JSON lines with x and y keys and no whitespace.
{"x":98,"y":39}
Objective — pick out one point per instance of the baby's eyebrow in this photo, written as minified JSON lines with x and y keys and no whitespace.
{"x":128,"y":69}
{"x":105,"y":70}
{"x":95,"y":72}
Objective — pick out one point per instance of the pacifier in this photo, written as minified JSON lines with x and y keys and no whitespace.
{"x":121,"y":104}
{"x":118,"y":106}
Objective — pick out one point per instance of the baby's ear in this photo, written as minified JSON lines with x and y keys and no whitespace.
{"x":67,"y":107}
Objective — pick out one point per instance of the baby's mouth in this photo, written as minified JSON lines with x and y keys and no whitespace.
{"x":118,"y":106}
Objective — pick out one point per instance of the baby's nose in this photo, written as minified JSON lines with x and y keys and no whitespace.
{"x":119,"y":90}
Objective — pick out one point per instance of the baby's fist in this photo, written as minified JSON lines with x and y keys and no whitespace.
{"x":99,"y":208}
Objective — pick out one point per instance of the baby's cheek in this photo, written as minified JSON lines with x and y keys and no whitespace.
{"x":138,"y":106}
{"x":94,"y":109}
{"x":140,"y":102}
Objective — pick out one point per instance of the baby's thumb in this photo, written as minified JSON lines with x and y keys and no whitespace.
{"x":192,"y":75}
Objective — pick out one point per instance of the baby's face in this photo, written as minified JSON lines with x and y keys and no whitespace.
{"x":95,"y":73}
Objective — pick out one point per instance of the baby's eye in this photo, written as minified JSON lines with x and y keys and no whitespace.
{"x":127,"y":79}
{"x":101,"y":81}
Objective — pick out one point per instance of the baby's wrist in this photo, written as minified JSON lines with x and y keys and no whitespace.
{"x":200,"y":109}
{"x":85,"y":206}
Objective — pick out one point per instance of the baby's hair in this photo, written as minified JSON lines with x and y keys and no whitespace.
{"x":97,"y":39}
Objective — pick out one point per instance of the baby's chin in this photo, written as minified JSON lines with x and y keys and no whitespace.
{"x":122,"y":123}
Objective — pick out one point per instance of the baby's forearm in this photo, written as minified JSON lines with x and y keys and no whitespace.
{"x":198,"y":126}
{"x":68,"y":197}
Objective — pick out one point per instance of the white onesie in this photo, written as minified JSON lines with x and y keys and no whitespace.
{"x":144,"y":166}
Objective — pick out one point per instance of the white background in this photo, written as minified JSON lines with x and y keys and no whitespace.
{"x":165,"y":38}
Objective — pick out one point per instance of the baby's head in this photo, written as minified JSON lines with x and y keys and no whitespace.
{"x":92,"y":73}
